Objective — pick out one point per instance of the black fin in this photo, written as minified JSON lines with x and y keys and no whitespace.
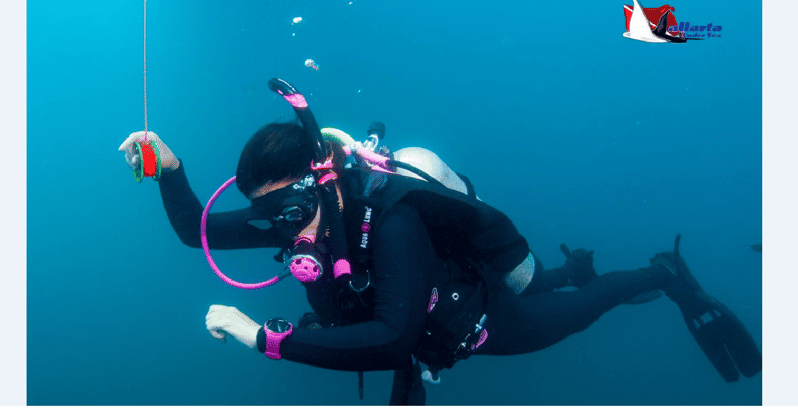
{"x":722,"y":337}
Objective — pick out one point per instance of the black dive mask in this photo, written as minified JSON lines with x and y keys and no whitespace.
{"x":291,"y":208}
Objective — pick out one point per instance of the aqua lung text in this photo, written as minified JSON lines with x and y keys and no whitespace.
{"x":366,"y":227}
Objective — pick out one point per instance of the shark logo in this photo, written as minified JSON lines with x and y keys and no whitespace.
{"x":639,"y":26}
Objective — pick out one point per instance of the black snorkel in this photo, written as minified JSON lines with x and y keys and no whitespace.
{"x":304,"y":114}
{"x":324,"y":174}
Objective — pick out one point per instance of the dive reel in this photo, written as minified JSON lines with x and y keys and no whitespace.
{"x":149,"y":164}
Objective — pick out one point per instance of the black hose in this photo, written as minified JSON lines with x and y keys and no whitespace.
{"x":335,"y":222}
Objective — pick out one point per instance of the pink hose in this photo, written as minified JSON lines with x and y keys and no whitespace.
{"x":204,"y":238}
{"x":340,"y":268}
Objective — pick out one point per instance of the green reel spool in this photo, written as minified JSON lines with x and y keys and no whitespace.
{"x":149,"y":163}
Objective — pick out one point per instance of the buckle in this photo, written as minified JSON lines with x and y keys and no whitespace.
{"x":463,"y":351}
{"x":471,"y":341}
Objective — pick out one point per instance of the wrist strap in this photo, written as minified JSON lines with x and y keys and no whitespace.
{"x":273,"y":341}
{"x":270,"y":344}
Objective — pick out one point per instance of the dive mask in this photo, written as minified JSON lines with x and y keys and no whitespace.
{"x":289,"y":209}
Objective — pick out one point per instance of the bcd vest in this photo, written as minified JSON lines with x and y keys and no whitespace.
{"x":478,"y":243}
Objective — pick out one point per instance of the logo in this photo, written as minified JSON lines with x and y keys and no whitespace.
{"x":483,"y":335}
{"x":365,"y":227}
{"x":640,"y":25}
{"x":433,"y":300}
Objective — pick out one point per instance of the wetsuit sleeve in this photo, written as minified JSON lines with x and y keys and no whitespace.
{"x":405,"y":265}
{"x":226,"y":230}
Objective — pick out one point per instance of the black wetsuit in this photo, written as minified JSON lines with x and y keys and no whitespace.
{"x":406,"y":268}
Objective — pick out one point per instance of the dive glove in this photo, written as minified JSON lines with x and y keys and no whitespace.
{"x":579,"y":264}
{"x":168,"y":160}
{"x":222,"y":320}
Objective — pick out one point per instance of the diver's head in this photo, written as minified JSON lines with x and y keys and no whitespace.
{"x":276,"y":152}
{"x":274,"y":173}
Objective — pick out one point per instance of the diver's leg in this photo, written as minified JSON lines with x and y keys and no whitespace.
{"x":530,"y":277}
{"x":523,"y":324}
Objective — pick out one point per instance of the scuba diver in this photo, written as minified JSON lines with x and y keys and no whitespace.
{"x":403,"y":265}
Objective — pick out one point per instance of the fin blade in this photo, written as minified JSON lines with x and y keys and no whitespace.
{"x":710,"y":339}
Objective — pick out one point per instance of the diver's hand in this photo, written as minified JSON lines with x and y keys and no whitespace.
{"x":578,"y":258}
{"x":580,"y":263}
{"x":222,"y":320}
{"x":168,"y":160}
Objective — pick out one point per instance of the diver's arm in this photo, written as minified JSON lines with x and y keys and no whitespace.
{"x":226,"y":230}
{"x":404,"y":262}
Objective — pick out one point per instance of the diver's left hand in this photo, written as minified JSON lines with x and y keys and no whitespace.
{"x":168,"y":160}
{"x":222,"y":320}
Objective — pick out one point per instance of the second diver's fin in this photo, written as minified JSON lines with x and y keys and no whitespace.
{"x":722,"y":337}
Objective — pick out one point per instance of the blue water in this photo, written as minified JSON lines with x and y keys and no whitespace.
{"x":580,"y":135}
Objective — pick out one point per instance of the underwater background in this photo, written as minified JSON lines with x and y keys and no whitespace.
{"x":579,"y":135}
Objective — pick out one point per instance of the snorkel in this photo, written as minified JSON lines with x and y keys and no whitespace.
{"x":323,"y":172}
{"x":324,"y":175}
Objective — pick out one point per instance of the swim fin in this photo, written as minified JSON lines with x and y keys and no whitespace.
{"x":721,"y":335}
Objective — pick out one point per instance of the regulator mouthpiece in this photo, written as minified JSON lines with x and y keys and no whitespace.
{"x":305,"y":264}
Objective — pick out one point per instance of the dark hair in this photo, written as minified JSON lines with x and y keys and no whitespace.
{"x":278,"y":151}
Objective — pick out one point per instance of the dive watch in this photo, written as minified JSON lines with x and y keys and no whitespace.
{"x":276,"y":330}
